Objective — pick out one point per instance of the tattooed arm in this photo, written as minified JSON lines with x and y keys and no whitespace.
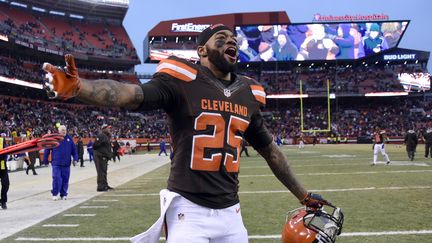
{"x":106,"y":92}
{"x":281,"y":168}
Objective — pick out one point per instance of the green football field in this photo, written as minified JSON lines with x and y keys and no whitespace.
{"x":381,"y":203}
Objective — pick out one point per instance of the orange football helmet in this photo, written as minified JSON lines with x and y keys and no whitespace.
{"x":304,"y":225}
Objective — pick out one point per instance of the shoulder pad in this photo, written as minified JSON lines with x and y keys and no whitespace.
{"x":257,"y":89}
{"x":177,"y":68}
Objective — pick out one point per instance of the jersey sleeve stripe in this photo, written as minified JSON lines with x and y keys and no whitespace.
{"x":260,"y":99}
{"x":258,"y":92}
{"x":180,"y":65}
{"x":257,"y":87}
{"x":176,"y":71}
{"x":175,"y":74}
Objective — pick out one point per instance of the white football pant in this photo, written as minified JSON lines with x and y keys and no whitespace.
{"x":301,"y":145}
{"x":188,"y":222}
{"x":379,"y":147}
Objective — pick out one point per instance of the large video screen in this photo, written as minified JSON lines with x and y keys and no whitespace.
{"x":317,"y":41}
{"x":415,"y":81}
{"x":163,"y":47}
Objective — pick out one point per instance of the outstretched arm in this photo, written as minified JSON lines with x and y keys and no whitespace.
{"x":66,"y":84}
{"x":281,"y":168}
{"x":107,"y":92}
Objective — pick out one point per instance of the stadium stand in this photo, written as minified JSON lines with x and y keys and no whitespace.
{"x":104,"y":50}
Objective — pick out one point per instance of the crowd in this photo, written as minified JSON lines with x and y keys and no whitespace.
{"x":58,"y":34}
{"x":343,"y":80}
{"x":30,"y":71}
{"x":353,"y":119}
{"x":22,"y":116}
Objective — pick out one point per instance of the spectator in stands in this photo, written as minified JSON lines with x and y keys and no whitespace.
{"x":103,"y":153}
{"x":4,"y":177}
{"x":297,"y":33}
{"x":374,"y":43}
{"x":283,"y":48}
{"x":245,"y":52}
{"x":318,"y":46}
{"x":267,"y":33}
{"x":90,"y":149}
{"x":411,"y":141}
{"x":392,"y":32}
{"x":80,"y":148}
{"x":345,"y":42}
{"x":61,"y":163}
{"x":265,"y":53}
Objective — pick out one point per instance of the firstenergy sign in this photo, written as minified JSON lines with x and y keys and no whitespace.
{"x":188,"y":27}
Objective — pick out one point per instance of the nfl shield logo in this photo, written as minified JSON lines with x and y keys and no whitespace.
{"x":227,"y":92}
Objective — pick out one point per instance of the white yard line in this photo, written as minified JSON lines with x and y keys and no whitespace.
{"x":105,"y":200}
{"x":93,"y":207}
{"x":286,"y":191}
{"x":344,"y":189}
{"x":347,"y":173}
{"x":79,"y":215}
{"x":340,"y":164}
{"x":348,"y":234}
{"x":60,"y":225}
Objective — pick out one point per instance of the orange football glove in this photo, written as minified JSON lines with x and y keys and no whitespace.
{"x":64,"y":84}
{"x":312,"y":200}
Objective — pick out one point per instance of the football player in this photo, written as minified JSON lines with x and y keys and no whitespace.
{"x":210,"y":109}
{"x":379,"y":138}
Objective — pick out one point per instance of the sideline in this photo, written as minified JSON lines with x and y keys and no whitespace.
{"x":30,"y":198}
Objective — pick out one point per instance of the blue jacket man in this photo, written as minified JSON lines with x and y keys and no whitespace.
{"x":61,"y":162}
{"x":162,"y":147}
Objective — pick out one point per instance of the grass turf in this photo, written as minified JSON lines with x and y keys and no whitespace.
{"x":381,"y":198}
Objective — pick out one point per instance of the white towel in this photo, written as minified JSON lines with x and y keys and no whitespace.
{"x":153,"y":233}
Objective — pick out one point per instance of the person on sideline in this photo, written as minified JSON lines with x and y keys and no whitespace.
{"x":379,"y":138}
{"x":90,"y":149}
{"x":80,"y":148}
{"x":102,"y":153}
{"x":4,"y":177}
{"x":61,"y":163}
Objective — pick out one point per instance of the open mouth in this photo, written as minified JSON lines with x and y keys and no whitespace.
{"x":231,"y":52}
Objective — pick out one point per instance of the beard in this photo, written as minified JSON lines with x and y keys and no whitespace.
{"x":220,"y":62}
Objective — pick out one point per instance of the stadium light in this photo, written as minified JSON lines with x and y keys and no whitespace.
{"x":18,"y":4}
{"x":385,"y":94}
{"x":76,"y":16}
{"x":20,"y":82}
{"x":119,"y":3}
{"x":39,"y":9}
{"x":57,"y":13}
{"x":286,"y":96}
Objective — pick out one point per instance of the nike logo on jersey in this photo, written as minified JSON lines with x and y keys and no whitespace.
{"x":226,"y":106}
{"x":237,"y":210}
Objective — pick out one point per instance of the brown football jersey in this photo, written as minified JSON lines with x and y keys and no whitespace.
{"x":207,"y":121}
